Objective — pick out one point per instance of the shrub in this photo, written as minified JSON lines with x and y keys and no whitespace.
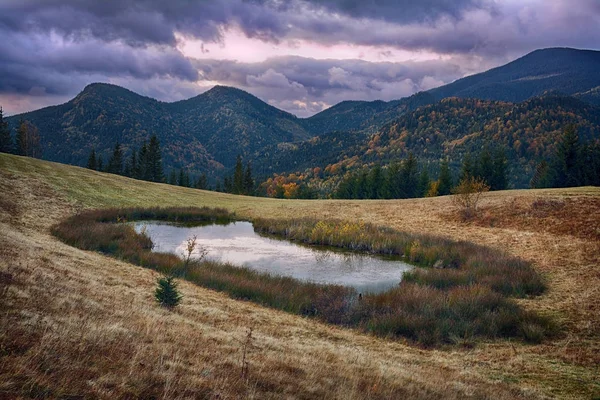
{"x":468,"y":193}
{"x":166,"y":293}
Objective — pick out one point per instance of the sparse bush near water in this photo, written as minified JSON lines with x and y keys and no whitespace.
{"x":464,"y":297}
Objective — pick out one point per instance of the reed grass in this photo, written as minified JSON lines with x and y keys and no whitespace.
{"x":467,"y":299}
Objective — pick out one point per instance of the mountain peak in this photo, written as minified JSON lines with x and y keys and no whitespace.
{"x":570,"y":71}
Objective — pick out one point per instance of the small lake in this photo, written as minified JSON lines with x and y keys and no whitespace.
{"x":238,"y":244}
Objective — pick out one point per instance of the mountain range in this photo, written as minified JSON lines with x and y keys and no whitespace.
{"x":549,"y":87}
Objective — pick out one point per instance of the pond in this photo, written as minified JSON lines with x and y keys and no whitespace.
{"x":238,"y":244}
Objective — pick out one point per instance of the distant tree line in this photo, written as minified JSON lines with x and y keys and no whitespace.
{"x":144,"y":164}
{"x":241,"y":181}
{"x":26,"y":141}
{"x":573,"y":164}
{"x":407,"y":179}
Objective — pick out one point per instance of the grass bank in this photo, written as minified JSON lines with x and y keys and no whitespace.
{"x":464,"y":300}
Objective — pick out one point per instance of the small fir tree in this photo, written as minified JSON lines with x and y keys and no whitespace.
{"x":166,"y":294}
{"x":248,"y":180}
{"x":154,"y":161}
{"x":500,"y":175}
{"x":444,"y":179}
{"x":172,"y":178}
{"x":115,"y":163}
{"x":424,"y":183}
{"x":91,"y":164}
{"x":202,"y":182}
{"x":6,"y":143}
{"x":238,"y":176}
{"x":21,"y":139}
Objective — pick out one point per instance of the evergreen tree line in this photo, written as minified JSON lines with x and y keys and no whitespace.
{"x":406,"y":179}
{"x":26,"y":141}
{"x":241,"y":182}
{"x":183,"y":178}
{"x":144,"y":164}
{"x":573,"y":164}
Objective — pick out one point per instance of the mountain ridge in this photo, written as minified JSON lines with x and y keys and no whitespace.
{"x":206,"y":132}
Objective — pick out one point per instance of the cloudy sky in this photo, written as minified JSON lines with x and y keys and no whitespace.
{"x":301,"y":56}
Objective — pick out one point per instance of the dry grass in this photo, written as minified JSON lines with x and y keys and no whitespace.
{"x":432,"y":306}
{"x":78,"y":323}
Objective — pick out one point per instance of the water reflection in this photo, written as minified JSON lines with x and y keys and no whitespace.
{"x":238,"y":244}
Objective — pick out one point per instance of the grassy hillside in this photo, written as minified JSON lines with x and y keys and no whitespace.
{"x":79,"y":323}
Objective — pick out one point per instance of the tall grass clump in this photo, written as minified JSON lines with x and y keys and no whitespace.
{"x":464,"y":294}
{"x":453,"y":263}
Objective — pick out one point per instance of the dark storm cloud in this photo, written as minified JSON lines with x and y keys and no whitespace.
{"x":402,"y":11}
{"x":155,"y":21}
{"x":55,"y":47}
{"x":37,"y":61}
{"x":137,"y":22}
{"x":305,"y":85}
{"x":446,"y":26}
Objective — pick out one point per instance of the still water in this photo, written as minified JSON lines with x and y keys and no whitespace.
{"x":238,"y":244}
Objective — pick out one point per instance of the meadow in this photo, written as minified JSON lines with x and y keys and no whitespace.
{"x":462,"y":299}
{"x":78,"y":323}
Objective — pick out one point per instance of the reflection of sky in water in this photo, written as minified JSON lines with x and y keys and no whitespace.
{"x":238,"y":244}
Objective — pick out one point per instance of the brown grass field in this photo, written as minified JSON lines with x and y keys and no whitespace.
{"x":77,"y":324}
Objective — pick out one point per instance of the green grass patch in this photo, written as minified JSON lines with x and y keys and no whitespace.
{"x":466,"y":299}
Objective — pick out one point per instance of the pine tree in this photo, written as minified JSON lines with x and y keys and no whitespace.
{"x":541,"y":178}
{"x":566,"y":167}
{"x":424,"y":183}
{"x":394,"y":180}
{"x":144,"y":172}
{"x":202,"y":182}
{"x":445,"y":179}
{"x":115,"y":163}
{"x":155,"y":168}
{"x":173,"y":178}
{"x":91,"y":164}
{"x":133,"y":165}
{"x":184,"y":179}
{"x":166,"y":294}
{"x":6,"y":143}
{"x":361,"y":186}
{"x":248,"y":180}
{"x":409,"y":184}
{"x":100,"y":164}
{"x":21,"y":139}
{"x":227,"y":185}
{"x":467,"y":170}
{"x":238,"y":176}
{"x":344,"y":189}
{"x":500,"y":171}
{"x":485,"y":167}
{"x":376,"y":187}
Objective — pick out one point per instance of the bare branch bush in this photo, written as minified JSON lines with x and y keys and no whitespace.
{"x":467,"y":195}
